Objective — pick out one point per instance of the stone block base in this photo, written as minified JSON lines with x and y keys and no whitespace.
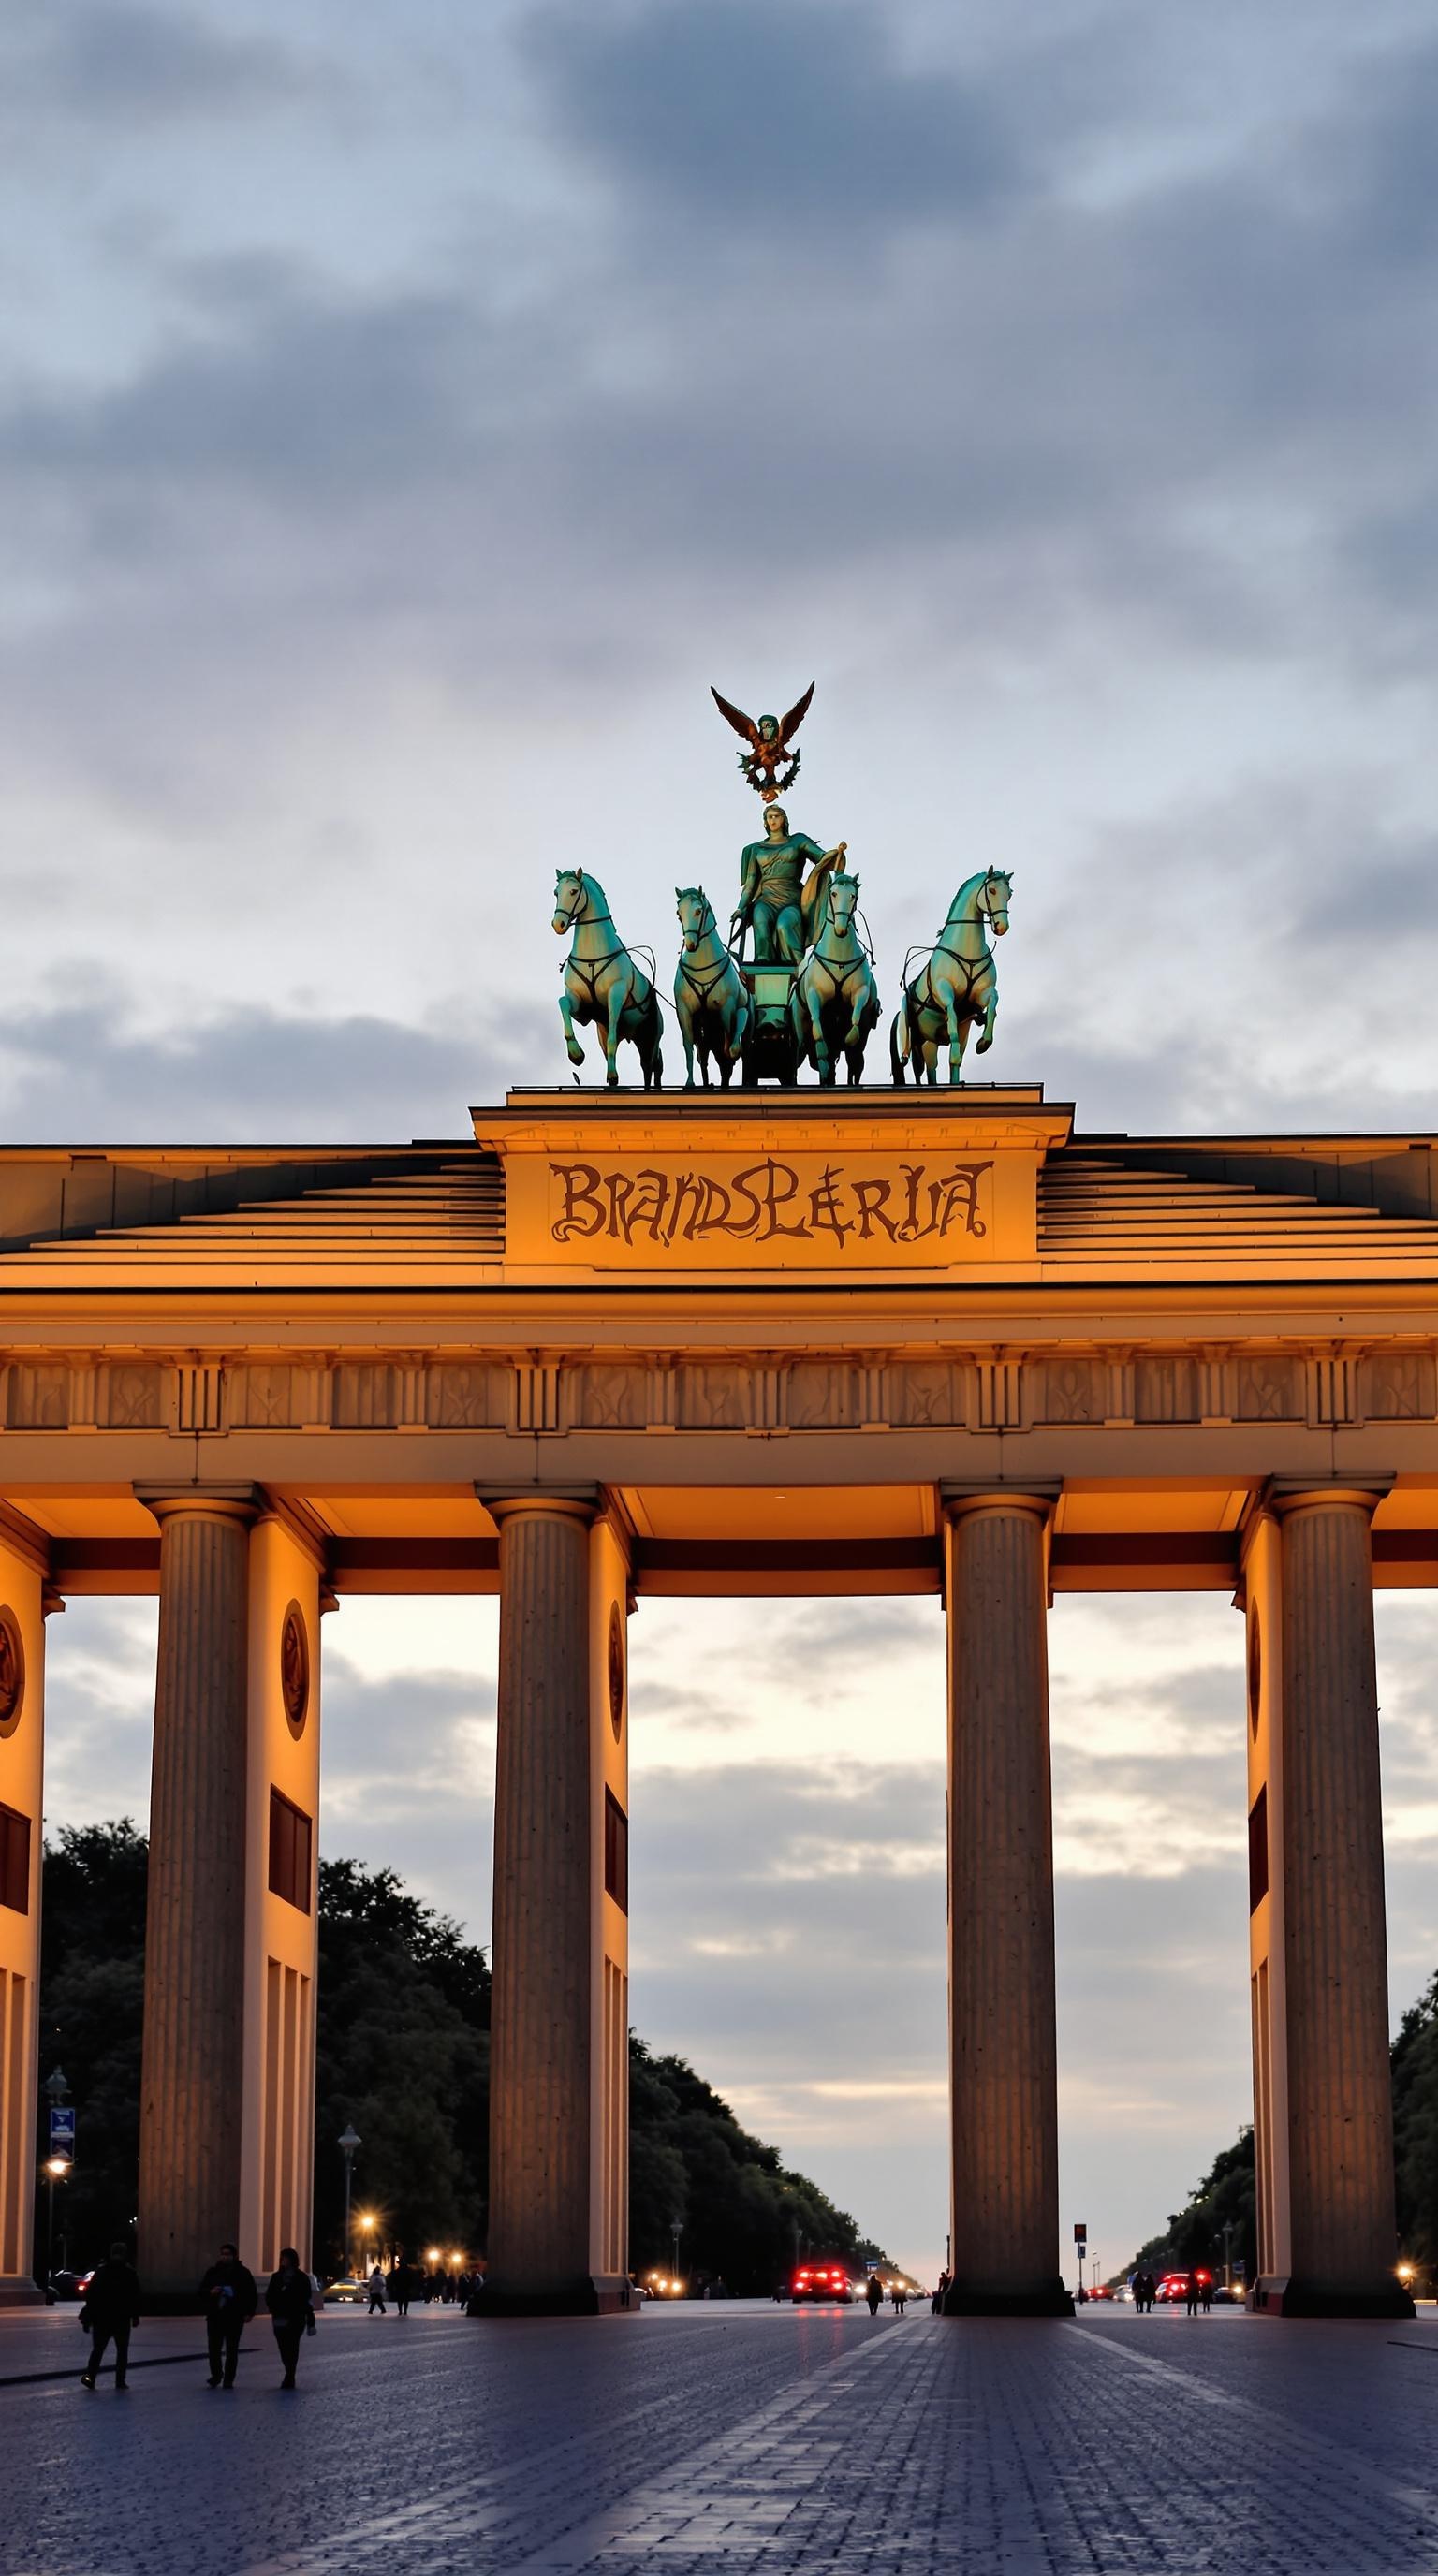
{"x":1284,"y":2297}
{"x":1045,"y":2299}
{"x":17,"y":2290}
{"x":602,"y":2294}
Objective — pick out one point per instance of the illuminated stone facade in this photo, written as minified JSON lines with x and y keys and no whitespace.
{"x":770,"y":1343}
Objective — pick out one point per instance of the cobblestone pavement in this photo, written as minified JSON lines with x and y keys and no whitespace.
{"x":745,"y":2441}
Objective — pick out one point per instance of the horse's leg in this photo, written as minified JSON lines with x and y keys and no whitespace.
{"x":958,"y":1030}
{"x":991,"y":1012}
{"x":823,"y":1050}
{"x":572,"y":1047}
{"x":684,"y":1013}
{"x":617,"y":997}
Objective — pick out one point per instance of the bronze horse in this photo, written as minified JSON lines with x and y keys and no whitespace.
{"x":958,"y":989}
{"x":602,"y":983}
{"x":835,"y":1002}
{"x":710,"y":995}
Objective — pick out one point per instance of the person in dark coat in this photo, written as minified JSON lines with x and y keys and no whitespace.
{"x":229,"y":2299}
{"x":874,"y":2293}
{"x":403,"y":2286}
{"x":1190,"y":2294}
{"x":290,"y":2300}
{"x":112,"y":2307}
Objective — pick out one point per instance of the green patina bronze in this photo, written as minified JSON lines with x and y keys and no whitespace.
{"x":781,"y":891}
{"x":807,"y":993}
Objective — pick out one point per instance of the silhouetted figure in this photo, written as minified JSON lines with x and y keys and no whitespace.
{"x":1205,"y":2292}
{"x":937,"y":2302}
{"x":1190,"y":2294}
{"x":376,"y":2291}
{"x":899,"y":2295}
{"x":112,"y":2307}
{"x":403,"y":2286}
{"x":230,"y":2299}
{"x":290,"y":2300}
{"x":874,"y":2293}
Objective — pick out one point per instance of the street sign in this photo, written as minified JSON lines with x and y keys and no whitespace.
{"x":62,"y":2129}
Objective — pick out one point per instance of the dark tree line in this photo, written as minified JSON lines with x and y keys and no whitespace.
{"x":402,"y":2045}
{"x":1194,"y":2235}
{"x":1227,"y":2191}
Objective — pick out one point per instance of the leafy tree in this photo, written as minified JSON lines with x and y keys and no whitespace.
{"x":1415,"y":2130}
{"x":402,"y":2047}
{"x":91,"y":2009}
{"x":1226,"y":2196}
{"x":744,"y":2215}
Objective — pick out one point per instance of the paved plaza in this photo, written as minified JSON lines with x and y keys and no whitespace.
{"x":736,"y":2438}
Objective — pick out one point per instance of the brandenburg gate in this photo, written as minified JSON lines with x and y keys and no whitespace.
{"x":628,"y":1343}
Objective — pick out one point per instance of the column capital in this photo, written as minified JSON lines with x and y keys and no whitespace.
{"x":582,"y":1503}
{"x":1037,"y":1496}
{"x":237,"y":1502}
{"x":1284,"y":1494}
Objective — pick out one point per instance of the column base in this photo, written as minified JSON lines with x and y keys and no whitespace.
{"x":17,"y":2290}
{"x":1043,"y":2299}
{"x":602,"y":2294}
{"x":1278,"y":2295}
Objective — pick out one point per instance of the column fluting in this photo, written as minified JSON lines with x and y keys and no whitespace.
{"x":1004,"y":2111}
{"x":192,"y":2063}
{"x":540,"y":2041}
{"x":1340,"y":2109}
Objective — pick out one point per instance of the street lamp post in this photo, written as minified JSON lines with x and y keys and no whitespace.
{"x":56,"y":2166}
{"x":1230,"y":2227}
{"x":347,"y":2145}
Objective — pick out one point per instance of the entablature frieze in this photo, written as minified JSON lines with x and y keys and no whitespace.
{"x":542,"y":1392}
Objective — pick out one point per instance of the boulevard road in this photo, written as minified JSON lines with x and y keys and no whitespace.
{"x":732,"y":2438}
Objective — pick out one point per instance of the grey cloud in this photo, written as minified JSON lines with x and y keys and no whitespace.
{"x":773,"y":121}
{"x":83,"y":1070}
{"x":116,"y":63}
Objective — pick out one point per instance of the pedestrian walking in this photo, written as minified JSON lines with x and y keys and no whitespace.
{"x":112,"y":2307}
{"x":936,"y":2304}
{"x":290,"y":2300}
{"x":229,"y":2299}
{"x":376,"y":2291}
{"x":874,"y":2293}
{"x":899,"y":2294}
{"x":1205,"y":2292}
{"x":1190,"y":2294}
{"x":403,"y":2286}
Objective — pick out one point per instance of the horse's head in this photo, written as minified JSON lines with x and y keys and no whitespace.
{"x":696,"y":915}
{"x":570,"y":898}
{"x":843,"y":896}
{"x":996,"y":900}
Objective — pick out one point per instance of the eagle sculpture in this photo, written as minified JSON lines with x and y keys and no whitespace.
{"x":769,"y":745}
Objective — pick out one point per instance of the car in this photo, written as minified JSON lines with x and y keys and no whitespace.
{"x":70,"y":2285}
{"x":349,"y":2291}
{"x":821,"y":2281}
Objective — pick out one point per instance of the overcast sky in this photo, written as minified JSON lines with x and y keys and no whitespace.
{"x":406,"y":414}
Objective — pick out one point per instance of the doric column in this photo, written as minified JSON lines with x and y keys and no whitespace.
{"x":1005,"y":2253}
{"x":192,"y":2078}
{"x":546,"y":2091}
{"x":24,"y":1599}
{"x":1322,"y":1827}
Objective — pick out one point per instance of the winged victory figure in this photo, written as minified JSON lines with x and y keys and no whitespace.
{"x":769,"y":744}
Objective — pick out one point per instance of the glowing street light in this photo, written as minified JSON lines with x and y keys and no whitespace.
{"x":347,"y":2145}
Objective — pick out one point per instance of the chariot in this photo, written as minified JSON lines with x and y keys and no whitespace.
{"x":771,"y":1043}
